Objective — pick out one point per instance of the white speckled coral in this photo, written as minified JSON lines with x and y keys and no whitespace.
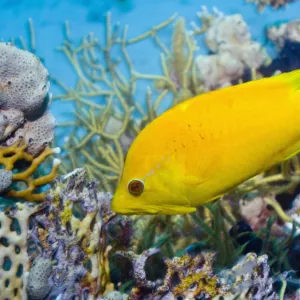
{"x":23,"y":80}
{"x":234,"y":51}
{"x":24,"y":87}
{"x":10,"y":120}
{"x":37,"y":134}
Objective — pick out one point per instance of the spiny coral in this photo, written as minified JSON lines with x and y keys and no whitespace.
{"x":138,"y":263}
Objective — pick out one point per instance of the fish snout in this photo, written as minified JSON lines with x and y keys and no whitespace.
{"x":118,"y":204}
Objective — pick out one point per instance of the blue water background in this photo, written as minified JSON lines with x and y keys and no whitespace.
{"x":88,"y":16}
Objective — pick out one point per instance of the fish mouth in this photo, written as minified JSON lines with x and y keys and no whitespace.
{"x":153,"y":210}
{"x":134,"y":210}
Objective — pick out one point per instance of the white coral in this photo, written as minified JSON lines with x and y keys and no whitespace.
{"x":285,"y":32}
{"x":234,"y":51}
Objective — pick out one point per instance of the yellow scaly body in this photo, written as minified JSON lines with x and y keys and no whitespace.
{"x":205,"y":146}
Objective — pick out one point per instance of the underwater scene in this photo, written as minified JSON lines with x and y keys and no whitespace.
{"x":149,"y":149}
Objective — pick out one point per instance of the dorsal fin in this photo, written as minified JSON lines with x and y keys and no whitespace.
{"x":293,"y":78}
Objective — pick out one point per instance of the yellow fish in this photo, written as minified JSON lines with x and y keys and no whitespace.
{"x":203,"y":147}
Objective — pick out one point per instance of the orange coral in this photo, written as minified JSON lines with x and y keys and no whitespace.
{"x":9,"y":157}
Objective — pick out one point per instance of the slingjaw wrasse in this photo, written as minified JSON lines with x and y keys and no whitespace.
{"x":203,"y":147}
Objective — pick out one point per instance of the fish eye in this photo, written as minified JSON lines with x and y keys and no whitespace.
{"x":136,"y":187}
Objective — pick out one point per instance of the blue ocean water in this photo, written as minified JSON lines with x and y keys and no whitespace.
{"x":89,"y":16}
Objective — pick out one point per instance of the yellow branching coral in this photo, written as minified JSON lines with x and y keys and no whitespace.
{"x":9,"y":156}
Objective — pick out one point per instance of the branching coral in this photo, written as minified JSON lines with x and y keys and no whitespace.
{"x":11,"y":155}
{"x":106,"y":126}
{"x":110,"y":114}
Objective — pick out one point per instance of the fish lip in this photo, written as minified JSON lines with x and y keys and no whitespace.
{"x":154,"y":210}
{"x":134,"y":210}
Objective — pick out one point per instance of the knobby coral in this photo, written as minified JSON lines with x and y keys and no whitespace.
{"x":234,"y":52}
{"x":285,"y":32}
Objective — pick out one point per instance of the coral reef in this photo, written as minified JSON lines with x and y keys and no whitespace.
{"x":245,"y":245}
{"x":111,"y":117}
{"x":68,"y":229}
{"x":63,"y":247}
{"x":191,"y":277}
{"x":26,"y":128}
